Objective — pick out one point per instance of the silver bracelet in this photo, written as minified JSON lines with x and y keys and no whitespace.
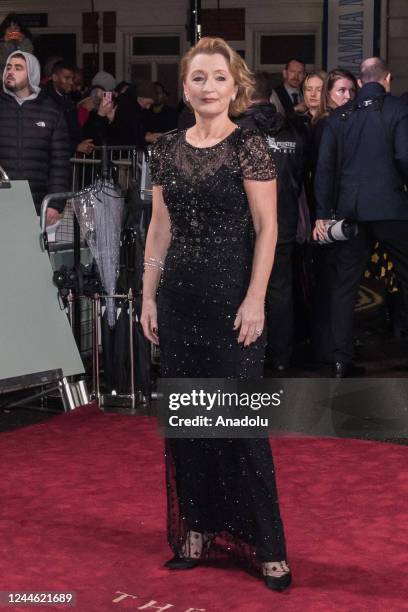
{"x":150,"y":264}
{"x":154,"y":260}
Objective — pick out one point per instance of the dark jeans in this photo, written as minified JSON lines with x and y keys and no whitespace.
{"x":279,"y":306}
{"x":351,"y":260}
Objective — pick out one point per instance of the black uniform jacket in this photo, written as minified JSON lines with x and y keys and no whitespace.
{"x":362,"y":170}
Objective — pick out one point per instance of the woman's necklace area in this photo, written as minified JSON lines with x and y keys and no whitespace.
{"x":208,"y":141}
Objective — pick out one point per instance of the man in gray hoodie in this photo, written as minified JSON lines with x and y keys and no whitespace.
{"x":34,"y":141}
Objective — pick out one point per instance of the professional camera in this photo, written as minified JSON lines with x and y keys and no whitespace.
{"x":336,"y":231}
{"x":82,"y":280}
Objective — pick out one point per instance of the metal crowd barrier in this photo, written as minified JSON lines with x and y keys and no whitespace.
{"x":66,"y":249}
{"x":128,"y":167}
{"x":126,"y":163}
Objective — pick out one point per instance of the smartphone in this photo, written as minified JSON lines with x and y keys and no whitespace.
{"x":107,"y":97}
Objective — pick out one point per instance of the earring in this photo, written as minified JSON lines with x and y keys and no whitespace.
{"x":233,"y":98}
{"x":186,"y":97}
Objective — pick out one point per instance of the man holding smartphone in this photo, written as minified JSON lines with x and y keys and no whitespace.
{"x":123,"y":121}
{"x":97,"y":127}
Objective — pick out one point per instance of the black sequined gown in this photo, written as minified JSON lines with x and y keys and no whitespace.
{"x":220,"y":486}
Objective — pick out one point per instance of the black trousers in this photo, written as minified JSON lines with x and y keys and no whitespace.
{"x":279,"y":306}
{"x":351,"y":258}
{"x":324,"y":274}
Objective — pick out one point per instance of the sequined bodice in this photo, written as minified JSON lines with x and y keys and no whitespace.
{"x":211,"y":224}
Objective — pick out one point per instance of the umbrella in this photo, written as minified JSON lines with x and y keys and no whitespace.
{"x":99,"y":210}
{"x":115,"y":342}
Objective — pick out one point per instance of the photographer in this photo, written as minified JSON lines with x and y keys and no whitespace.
{"x":363,"y":159}
{"x":339,"y":87}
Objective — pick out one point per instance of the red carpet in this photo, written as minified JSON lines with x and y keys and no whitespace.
{"x":83,"y":509}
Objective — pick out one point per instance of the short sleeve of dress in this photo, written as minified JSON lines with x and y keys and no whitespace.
{"x":255,"y":158}
{"x":157,"y":163}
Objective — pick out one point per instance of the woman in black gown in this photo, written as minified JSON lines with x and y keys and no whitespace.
{"x":211,"y":245}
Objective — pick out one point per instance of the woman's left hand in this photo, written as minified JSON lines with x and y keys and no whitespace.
{"x":250,"y":319}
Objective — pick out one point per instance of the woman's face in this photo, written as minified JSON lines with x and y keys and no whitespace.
{"x":342,"y":91}
{"x":312,"y":92}
{"x":209,"y":85}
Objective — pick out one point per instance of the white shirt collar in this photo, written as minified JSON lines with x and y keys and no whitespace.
{"x":291,"y":90}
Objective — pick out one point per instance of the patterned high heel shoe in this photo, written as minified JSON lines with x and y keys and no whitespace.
{"x":277,"y":575}
{"x":192,"y":552}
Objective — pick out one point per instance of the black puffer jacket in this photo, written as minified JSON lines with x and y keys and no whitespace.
{"x":34,"y":145}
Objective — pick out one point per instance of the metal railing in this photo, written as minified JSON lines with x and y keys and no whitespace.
{"x":128,"y":167}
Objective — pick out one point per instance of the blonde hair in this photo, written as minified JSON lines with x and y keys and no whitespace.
{"x":320,"y":74}
{"x":239,"y":70}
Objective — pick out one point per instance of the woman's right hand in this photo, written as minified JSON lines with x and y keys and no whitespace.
{"x":148,"y":320}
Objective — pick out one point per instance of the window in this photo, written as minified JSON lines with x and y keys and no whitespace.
{"x":109,"y":27}
{"x":62,"y":45}
{"x":156,"y":45}
{"x":90,"y":28}
{"x":154,"y":55}
{"x":278,"y":48}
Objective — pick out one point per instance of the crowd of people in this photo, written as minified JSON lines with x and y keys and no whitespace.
{"x":253,"y":173}
{"x":49,"y":115}
{"x":354,"y":170}
{"x":304,"y":297}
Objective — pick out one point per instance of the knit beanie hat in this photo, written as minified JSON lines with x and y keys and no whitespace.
{"x":104,"y":80}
